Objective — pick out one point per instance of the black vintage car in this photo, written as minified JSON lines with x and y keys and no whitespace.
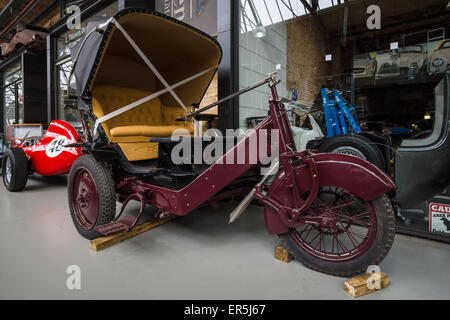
{"x":419,"y":161}
{"x":422,"y":172}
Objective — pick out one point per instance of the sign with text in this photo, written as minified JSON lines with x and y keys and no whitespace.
{"x":201,"y":14}
{"x":439,"y":218}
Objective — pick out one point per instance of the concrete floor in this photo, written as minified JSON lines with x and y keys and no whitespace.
{"x":194,"y":257}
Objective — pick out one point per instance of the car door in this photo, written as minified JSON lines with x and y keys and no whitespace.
{"x":422,"y":166}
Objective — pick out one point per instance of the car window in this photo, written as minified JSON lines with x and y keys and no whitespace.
{"x":414,"y":49}
{"x":436,"y":116}
{"x":446,"y":44}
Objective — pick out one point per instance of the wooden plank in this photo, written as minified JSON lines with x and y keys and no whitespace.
{"x":362,"y":285}
{"x":105,"y":242}
{"x":282,"y":254}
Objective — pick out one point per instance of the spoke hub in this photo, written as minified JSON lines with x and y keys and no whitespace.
{"x":338,"y":226}
{"x":327,"y":220}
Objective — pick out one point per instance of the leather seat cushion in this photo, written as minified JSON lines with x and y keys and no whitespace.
{"x":133,"y":128}
{"x":108,"y":99}
{"x":147,"y":131}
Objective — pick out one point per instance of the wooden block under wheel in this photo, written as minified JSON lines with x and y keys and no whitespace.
{"x":282,"y":254}
{"x":366,"y":283}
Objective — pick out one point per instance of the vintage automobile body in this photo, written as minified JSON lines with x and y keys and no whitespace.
{"x":408,"y":61}
{"x":365,"y":145}
{"x":133,"y":94}
{"x":29,"y":37}
{"x":44,"y":155}
{"x":427,"y":157}
{"x":412,"y":59}
{"x":24,"y":37}
{"x":387,"y":64}
{"x":364,"y":66}
{"x":428,"y":149}
{"x":440,"y":58}
{"x":8,"y":47}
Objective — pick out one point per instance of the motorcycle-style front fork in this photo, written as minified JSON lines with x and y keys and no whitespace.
{"x":291,"y":217}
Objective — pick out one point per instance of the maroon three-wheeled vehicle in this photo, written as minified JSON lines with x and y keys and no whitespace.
{"x":140,"y":76}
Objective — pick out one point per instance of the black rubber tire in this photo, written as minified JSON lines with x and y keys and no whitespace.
{"x":106,"y":193}
{"x":361,"y":143}
{"x":383,"y":241}
{"x":19,"y":169}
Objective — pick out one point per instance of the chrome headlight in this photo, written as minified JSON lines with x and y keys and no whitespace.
{"x":370,"y":68}
{"x":438,"y":62}
{"x":414,"y":65}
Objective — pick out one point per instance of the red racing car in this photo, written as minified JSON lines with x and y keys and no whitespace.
{"x":45,"y":155}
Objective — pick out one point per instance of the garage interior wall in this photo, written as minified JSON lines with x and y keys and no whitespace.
{"x":301,"y":43}
{"x":257,"y":58}
{"x":308,"y":71}
{"x":389,"y":74}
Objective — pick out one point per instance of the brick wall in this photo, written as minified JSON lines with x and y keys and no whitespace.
{"x":306,"y":65}
{"x":211,"y":96}
{"x":298,"y":46}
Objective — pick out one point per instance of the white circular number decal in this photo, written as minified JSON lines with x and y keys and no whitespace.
{"x":55,"y":147}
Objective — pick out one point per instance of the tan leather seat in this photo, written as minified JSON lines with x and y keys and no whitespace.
{"x":133,"y":129}
{"x":147,"y":131}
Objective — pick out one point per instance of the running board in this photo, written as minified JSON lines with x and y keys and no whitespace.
{"x":126,"y":223}
{"x":102,"y":243}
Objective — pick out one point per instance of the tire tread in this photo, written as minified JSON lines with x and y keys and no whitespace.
{"x":372,"y":153}
{"x":19,"y":176}
{"x":106,"y":193}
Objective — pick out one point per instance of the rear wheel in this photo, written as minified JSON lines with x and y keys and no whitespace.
{"x":352,"y":235}
{"x":355,"y":145}
{"x":91,"y":194}
{"x":15,"y":169}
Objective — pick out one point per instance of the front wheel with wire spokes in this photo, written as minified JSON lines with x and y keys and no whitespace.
{"x":348,"y":235}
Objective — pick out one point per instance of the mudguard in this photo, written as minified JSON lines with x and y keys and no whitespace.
{"x":353,"y":174}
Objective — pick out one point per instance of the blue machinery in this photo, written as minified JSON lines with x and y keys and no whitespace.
{"x":337,"y":110}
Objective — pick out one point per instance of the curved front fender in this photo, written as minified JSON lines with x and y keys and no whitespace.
{"x":355,"y":175}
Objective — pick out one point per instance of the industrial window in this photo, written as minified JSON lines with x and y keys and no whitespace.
{"x":66,"y":104}
{"x":13,"y":95}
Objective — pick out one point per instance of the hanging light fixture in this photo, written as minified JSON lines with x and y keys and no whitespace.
{"x":260,"y":31}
